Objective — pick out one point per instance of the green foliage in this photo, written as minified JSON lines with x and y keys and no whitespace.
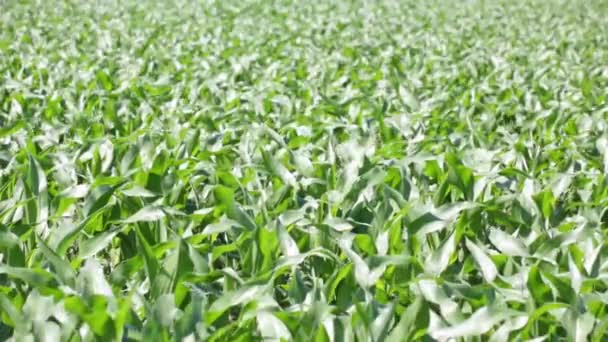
{"x":294,"y":170}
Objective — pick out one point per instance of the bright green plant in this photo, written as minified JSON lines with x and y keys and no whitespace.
{"x":294,"y":170}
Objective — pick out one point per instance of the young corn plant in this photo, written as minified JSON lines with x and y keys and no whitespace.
{"x":303,"y":171}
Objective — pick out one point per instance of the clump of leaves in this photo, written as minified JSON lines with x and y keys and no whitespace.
{"x":286,"y":170}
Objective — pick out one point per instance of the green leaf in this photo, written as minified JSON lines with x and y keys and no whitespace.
{"x":94,"y":245}
{"x":480,"y":322}
{"x":151,"y":263}
{"x":39,"y":186}
{"x":537,"y":287}
{"x":97,"y":199}
{"x":15,"y":127}
{"x":243,"y":295}
{"x":578,"y":325}
{"x":415,"y":317}
{"x":92,"y":281}
{"x":379,"y":327}
{"x":63,"y":269}
{"x":545,"y":202}
{"x":225,"y":197}
{"x":8,"y":240}
{"x":507,"y":244}
{"x":488,"y":268}
{"x":271,"y":328}
{"x":12,"y":312}
{"x":147,"y":214}
{"x":460,"y":176}
{"x":440,"y":258}
{"x":33,"y":276}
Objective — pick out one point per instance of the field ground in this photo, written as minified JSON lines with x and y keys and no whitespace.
{"x":294,"y":170}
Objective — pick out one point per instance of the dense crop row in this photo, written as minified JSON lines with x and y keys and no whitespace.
{"x":328,"y":171}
